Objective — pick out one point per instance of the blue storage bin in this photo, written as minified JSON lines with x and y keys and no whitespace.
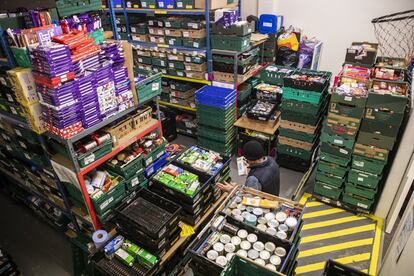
{"x":270,"y":23}
{"x":215,"y":96}
{"x":166,"y":4}
{"x":117,"y":3}
{"x":154,"y":167}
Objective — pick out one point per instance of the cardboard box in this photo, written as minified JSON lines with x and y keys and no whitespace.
{"x":295,"y":143}
{"x":371,"y":152}
{"x":24,"y":85}
{"x":120,"y":130}
{"x":309,"y":129}
{"x":213,"y":4}
{"x":194,"y":33}
{"x":346,"y":110}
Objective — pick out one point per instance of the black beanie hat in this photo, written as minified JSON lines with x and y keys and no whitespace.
{"x":253,"y":150}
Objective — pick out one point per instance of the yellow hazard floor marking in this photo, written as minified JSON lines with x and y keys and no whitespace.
{"x":322,"y":213}
{"x":314,"y":204}
{"x":344,"y":260}
{"x":376,"y":247}
{"x":364,"y":270}
{"x":334,"y":247}
{"x":330,"y":222}
{"x":304,"y":198}
{"x":338,"y":233}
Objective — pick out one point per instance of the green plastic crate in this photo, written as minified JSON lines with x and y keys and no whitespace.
{"x":135,"y":181}
{"x":69,"y":7}
{"x":361,"y":191}
{"x":327,"y":157}
{"x":149,"y":87}
{"x":181,"y":86}
{"x":298,"y":135}
{"x":274,"y":74}
{"x":21,"y":56}
{"x":96,"y":154}
{"x":303,"y":95}
{"x":153,"y":155}
{"x":176,"y":65}
{"x":327,"y":190}
{"x":365,"y":179}
{"x":195,"y":59}
{"x":244,"y":91}
{"x":173,"y":23}
{"x":367,"y":165}
{"x":299,"y":117}
{"x":174,"y":41}
{"x":194,"y":42}
{"x":357,"y":201}
{"x":380,"y":128}
{"x":303,"y":107}
{"x":339,"y":151}
{"x":174,"y":72}
{"x":239,"y":266}
{"x":144,"y":60}
{"x":330,"y":179}
{"x":338,"y":140}
{"x":109,"y":199}
{"x":376,"y":140}
{"x":346,"y":110}
{"x":332,"y":168}
{"x":386,"y":117}
{"x":393,"y":103}
{"x":218,"y":122}
{"x":230,"y":42}
{"x":215,"y":134}
{"x":296,"y":152}
{"x":160,"y":62}
{"x":349,"y":100}
{"x":219,"y":147}
{"x":128,"y":170}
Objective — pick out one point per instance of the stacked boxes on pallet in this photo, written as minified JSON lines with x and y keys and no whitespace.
{"x":384,"y":113}
{"x":216,"y":115}
{"x":346,"y":110}
{"x":304,"y":102}
{"x":269,"y":49}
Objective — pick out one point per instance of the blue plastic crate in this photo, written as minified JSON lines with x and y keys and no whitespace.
{"x":216,"y":96}
{"x":154,"y":167}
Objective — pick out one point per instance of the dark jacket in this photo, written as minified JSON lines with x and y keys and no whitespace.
{"x":265,"y":177}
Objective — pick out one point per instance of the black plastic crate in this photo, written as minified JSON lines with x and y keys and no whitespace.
{"x":147,"y":206}
{"x":290,"y":81}
{"x":293,"y":162}
{"x":229,"y":68}
{"x":333,"y":268}
{"x":200,"y":243}
{"x":265,"y":116}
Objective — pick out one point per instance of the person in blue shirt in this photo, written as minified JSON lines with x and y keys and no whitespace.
{"x":263,"y":170}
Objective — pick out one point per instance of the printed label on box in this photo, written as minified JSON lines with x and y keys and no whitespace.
{"x":106,"y":203}
{"x":348,"y":98}
{"x":343,"y":151}
{"x":337,"y":141}
{"x":149,"y":160}
{"x":186,"y":34}
{"x":89,"y":159}
{"x":133,"y":29}
{"x":167,"y":32}
{"x":144,"y":4}
{"x":267,"y":24}
{"x":162,"y":63}
{"x":167,"y":24}
{"x":361,"y":179}
{"x":134,"y":182}
{"x":179,"y":4}
{"x":362,"y":205}
{"x":155,"y":86}
{"x":196,"y":44}
{"x":359,"y":163}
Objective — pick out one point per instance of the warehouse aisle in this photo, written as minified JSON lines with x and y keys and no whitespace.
{"x":333,"y":233}
{"x":36,"y":248}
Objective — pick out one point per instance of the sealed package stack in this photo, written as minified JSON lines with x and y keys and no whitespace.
{"x":182,"y":93}
{"x":384,"y":113}
{"x":90,"y":113}
{"x":53,"y":72}
{"x":304,"y":102}
{"x":216,"y":115}
{"x":346,"y":109}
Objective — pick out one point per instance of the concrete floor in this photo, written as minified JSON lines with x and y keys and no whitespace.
{"x":39,"y":250}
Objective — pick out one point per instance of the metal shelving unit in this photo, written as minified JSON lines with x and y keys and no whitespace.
{"x":19,"y":122}
{"x":186,"y":108}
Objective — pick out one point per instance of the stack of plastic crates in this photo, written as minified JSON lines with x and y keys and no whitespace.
{"x":216,"y":115}
{"x":304,"y":103}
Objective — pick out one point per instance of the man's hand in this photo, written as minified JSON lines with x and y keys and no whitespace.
{"x":226,"y":187}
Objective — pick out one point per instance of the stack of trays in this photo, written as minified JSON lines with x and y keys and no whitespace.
{"x":216,"y":115}
{"x":158,"y":236}
{"x":269,"y":49}
{"x":384,"y":113}
{"x":304,"y":103}
{"x":90,"y":112}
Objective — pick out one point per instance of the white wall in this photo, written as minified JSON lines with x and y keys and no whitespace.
{"x":336,"y":23}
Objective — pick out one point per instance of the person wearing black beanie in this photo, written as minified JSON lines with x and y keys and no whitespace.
{"x":263,"y":170}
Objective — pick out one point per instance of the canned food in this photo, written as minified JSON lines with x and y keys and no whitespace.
{"x":275,"y":260}
{"x":241,"y":207}
{"x":212,"y":255}
{"x":273,"y":223}
{"x":239,"y":218}
{"x":270,"y":246}
{"x":265,"y":210}
{"x":219,"y":247}
{"x":291,"y":222}
{"x":281,"y":217}
{"x":281,"y":235}
{"x":229,"y":248}
{"x":253,"y":254}
{"x":235,"y":240}
{"x":269,"y":216}
{"x":258,"y":246}
{"x":245,"y":245}
{"x":242,"y":234}
{"x":245,"y":214}
{"x":236,"y":212}
{"x":280,"y":251}
{"x":264,"y":255}
{"x":225,"y":238}
{"x":242,"y":253}
{"x":251,"y":219}
{"x":271,"y":267}
{"x":258,"y":212}
{"x":221,"y":261}
{"x":261,"y":227}
{"x":261,"y":220}
{"x":252,"y":238}
{"x":238,"y":199}
{"x":271,"y":231}
{"x":260,"y":262}
{"x":233,"y":205}
{"x":229,"y":256}
{"x":283,"y":227}
{"x":249,"y":209}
